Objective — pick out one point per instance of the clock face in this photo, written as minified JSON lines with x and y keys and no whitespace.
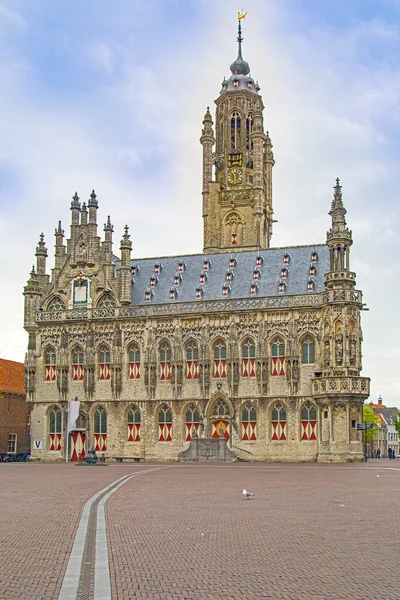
{"x":235,"y":176}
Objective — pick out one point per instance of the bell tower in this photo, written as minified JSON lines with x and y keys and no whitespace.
{"x":237,"y":176}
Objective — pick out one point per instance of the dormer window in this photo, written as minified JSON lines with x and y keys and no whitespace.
{"x":172,"y":293}
{"x":225,"y":290}
{"x":153,"y":281}
{"x":157,"y":268}
{"x":148,"y":295}
{"x":284,"y":274}
{"x":134,"y":270}
{"x":206,"y":265}
{"x":177,"y":279}
{"x":286,"y":259}
{"x":310,"y":286}
{"x":181,"y":266}
{"x":229,"y":276}
{"x":234,"y":239}
{"x":256,"y":274}
{"x":253,"y":289}
{"x":282,"y":288}
{"x":236,"y":83}
{"x":203,"y":278}
{"x":250,"y":85}
{"x":314,"y":257}
{"x":232,"y":263}
{"x":313,"y":271}
{"x":199,"y":292}
{"x":259,"y":261}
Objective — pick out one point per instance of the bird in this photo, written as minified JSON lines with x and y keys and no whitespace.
{"x":247,"y":494}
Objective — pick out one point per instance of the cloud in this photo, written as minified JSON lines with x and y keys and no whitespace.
{"x":101,"y":56}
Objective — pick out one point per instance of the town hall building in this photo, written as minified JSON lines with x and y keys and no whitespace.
{"x":258,"y":345}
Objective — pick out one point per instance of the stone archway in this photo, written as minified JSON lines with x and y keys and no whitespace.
{"x":220,"y":418}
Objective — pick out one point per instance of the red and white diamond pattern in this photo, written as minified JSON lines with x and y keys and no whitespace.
{"x":105,"y":372}
{"x":55,"y":441}
{"x":190,"y":434}
{"x":308,"y":430}
{"x":249,"y":431}
{"x":278,"y":365}
{"x":220,"y":369}
{"x":165,"y":432}
{"x":219,"y":429}
{"x":133,"y":432}
{"x":100,"y":442}
{"x":165,"y":371}
{"x":278,"y":430}
{"x":77,"y":372}
{"x":78,"y":445}
{"x":192,"y":371}
{"x":134,"y":370}
{"x":51,"y":373}
{"x":249,"y":367}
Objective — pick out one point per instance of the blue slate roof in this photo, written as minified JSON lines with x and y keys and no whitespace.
{"x":270,"y":274}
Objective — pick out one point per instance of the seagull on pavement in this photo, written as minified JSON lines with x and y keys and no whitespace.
{"x":247,"y":494}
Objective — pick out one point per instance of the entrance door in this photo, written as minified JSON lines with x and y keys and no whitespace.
{"x":220,"y":428}
{"x":78,"y":439}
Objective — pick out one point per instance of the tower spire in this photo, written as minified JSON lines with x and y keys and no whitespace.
{"x":240,"y":66}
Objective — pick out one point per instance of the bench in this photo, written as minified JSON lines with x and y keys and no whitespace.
{"x":134,"y":458}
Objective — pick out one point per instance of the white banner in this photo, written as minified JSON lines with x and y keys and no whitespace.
{"x":73,"y":414}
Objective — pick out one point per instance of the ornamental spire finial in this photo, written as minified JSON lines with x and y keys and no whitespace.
{"x":240,"y":66}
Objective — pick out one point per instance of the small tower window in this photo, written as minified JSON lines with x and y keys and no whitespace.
{"x":134,"y":270}
{"x":181,"y":266}
{"x":232,"y":262}
{"x":256,"y":274}
{"x":225,"y":290}
{"x":177,"y":279}
{"x":236,"y":83}
{"x":253,"y":289}
{"x":310,"y":286}
{"x":229,"y":276}
{"x":172,"y":293}
{"x":284,"y":274}
{"x":282,"y":288}
{"x":199,"y":292}
{"x":206,"y":265}
{"x":286,"y":259}
{"x":314,"y":257}
{"x":153,"y":281}
{"x":313,"y":271}
{"x":203,"y":278}
{"x":148,"y":295}
{"x":234,"y":239}
{"x":157,"y":268}
{"x":259,"y":261}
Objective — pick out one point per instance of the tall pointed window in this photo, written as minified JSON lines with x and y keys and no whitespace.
{"x":278,"y":422}
{"x":104,"y":363}
{"x":134,"y":418}
{"x":248,"y":358}
{"x":165,"y":361}
{"x":50,"y":364}
{"x":235,"y":131}
{"x":220,"y":360}
{"x":192,"y":423}
{"x":134,"y":362}
{"x":55,"y":429}
{"x":308,"y":351}
{"x":278,"y":356}
{"x":165,"y":424}
{"x":100,"y":430}
{"x":249,"y":423}
{"x":192,"y":361}
{"x":249,"y":126}
{"x":77,"y":364}
{"x":308,"y":421}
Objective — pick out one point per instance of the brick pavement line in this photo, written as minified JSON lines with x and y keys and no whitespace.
{"x":70,"y":584}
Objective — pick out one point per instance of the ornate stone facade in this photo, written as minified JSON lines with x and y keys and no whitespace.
{"x":259,"y":345}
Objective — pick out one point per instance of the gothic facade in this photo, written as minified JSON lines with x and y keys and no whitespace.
{"x":259,"y":345}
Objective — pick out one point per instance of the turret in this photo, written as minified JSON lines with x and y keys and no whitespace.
{"x":125,"y":270}
{"x":207,"y":140}
{"x":84,"y":214}
{"x":32,"y":295}
{"x":41,"y":255}
{"x":107,"y":248}
{"x":75,"y":214}
{"x":339,"y":239}
{"x":59,"y":253}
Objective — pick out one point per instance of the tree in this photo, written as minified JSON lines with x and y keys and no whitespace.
{"x":397,"y":423}
{"x":370,"y":417}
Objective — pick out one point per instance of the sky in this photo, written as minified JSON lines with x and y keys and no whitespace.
{"x":111,"y":96}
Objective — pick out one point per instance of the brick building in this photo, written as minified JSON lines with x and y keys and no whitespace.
{"x":259,"y":345}
{"x":14,"y":411}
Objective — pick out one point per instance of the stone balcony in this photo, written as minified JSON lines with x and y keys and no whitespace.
{"x":338,"y":386}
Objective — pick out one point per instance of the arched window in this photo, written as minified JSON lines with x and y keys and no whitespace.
{"x":308,"y":421}
{"x":165,"y":424}
{"x":248,"y":358}
{"x":278,"y":356}
{"x":106,"y":301}
{"x":235,"y":131}
{"x":249,"y":126}
{"x":249,"y":423}
{"x":134,"y":362}
{"x":134,"y":419}
{"x":192,"y":423}
{"x":100,"y":430}
{"x":192,"y":361}
{"x":278,"y":421}
{"x":56,"y":304}
{"x":78,"y":358}
{"x":104,"y":363}
{"x":220,"y":360}
{"x":55,"y":429}
{"x":308,"y":351}
{"x":165,"y":362}
{"x":221,"y":409}
{"x":50,"y":364}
